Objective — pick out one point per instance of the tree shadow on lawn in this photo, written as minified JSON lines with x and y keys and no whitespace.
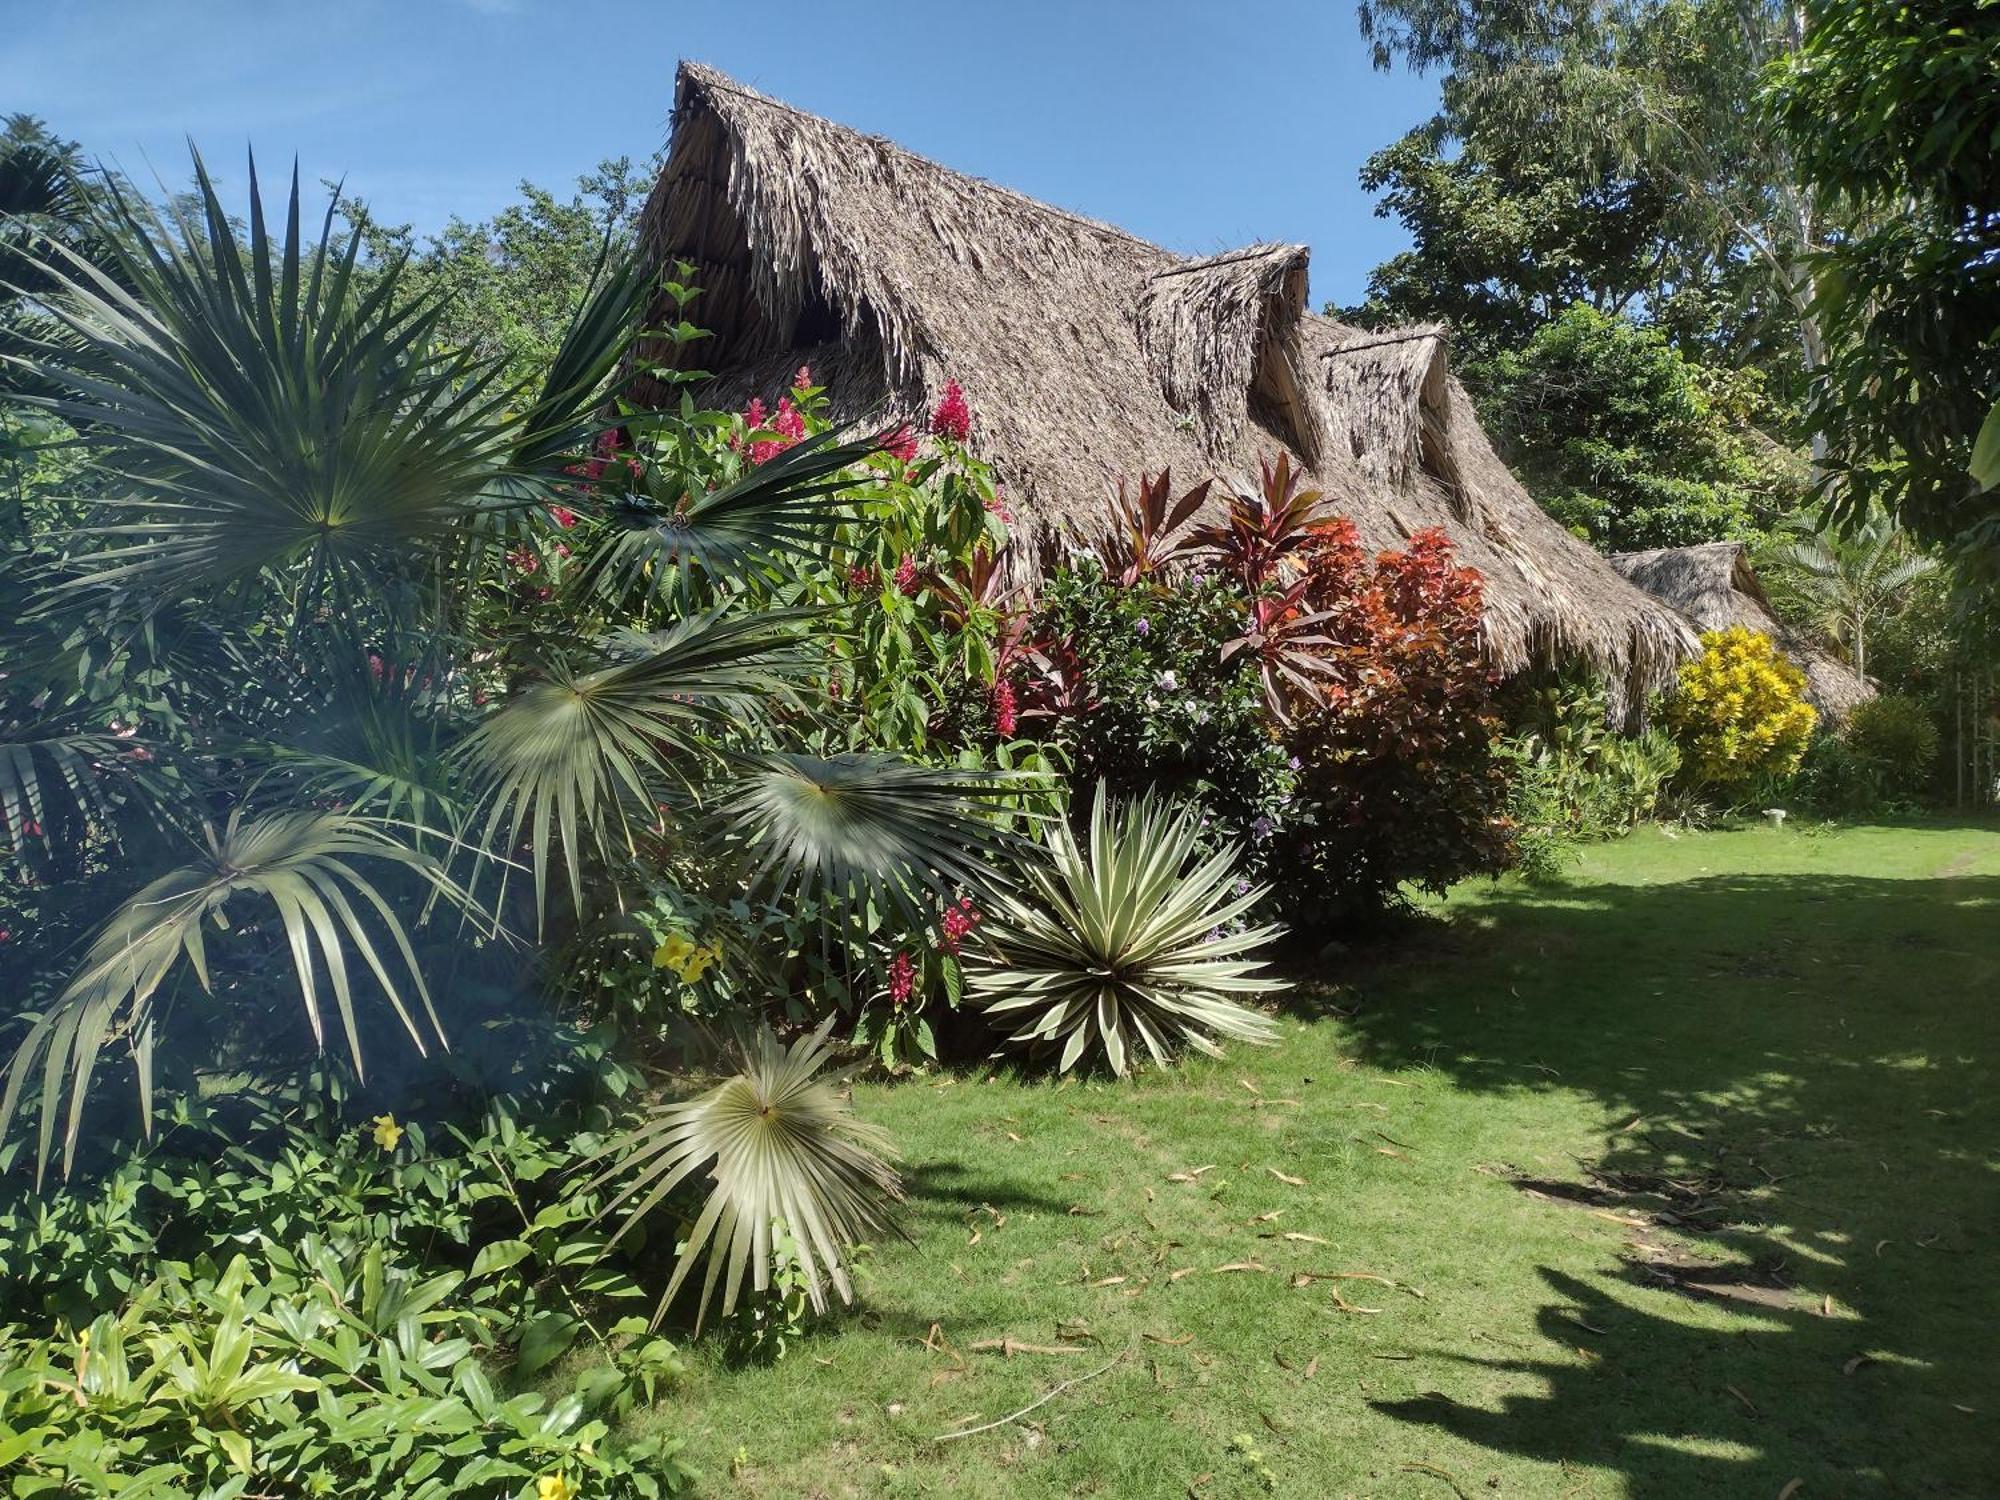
{"x":1797,"y":1074}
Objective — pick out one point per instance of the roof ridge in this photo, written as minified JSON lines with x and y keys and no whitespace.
{"x":715,"y":78}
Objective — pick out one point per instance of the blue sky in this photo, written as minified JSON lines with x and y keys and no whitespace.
{"x":1199,"y":125}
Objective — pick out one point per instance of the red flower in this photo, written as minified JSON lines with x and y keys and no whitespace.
{"x":958,"y":921}
{"x":563,"y":516}
{"x":863,"y":579}
{"x":906,"y":575}
{"x":902,"y":979}
{"x":787,"y":423}
{"x":804,"y":379}
{"x":524,"y":560}
{"x":607,"y":442}
{"x":562,"y":549}
{"x":1005,"y":716}
{"x":635,"y":468}
{"x":594,"y":469}
{"x":753,"y":414}
{"x":902,"y":445}
{"x":997,"y":506}
{"x":953,"y":418}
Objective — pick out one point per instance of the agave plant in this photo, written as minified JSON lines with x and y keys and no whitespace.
{"x":1127,"y":942}
{"x":784,"y":1153}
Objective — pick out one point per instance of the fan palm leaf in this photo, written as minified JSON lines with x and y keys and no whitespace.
{"x":266,"y":406}
{"x":1126,"y":944}
{"x":784,"y":1154}
{"x":864,"y":828}
{"x":50,"y":775}
{"x":573,"y":758}
{"x":302,"y":863}
{"x":789,"y":505}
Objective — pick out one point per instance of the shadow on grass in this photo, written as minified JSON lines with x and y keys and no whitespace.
{"x":1797,"y":1075}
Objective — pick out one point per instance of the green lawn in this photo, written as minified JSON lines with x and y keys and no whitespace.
{"x":1679,"y":1180}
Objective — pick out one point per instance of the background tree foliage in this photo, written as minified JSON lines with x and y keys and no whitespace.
{"x":1910,"y":292}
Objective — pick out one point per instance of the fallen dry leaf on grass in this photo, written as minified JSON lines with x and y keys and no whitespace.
{"x":1312,"y":1368}
{"x":1241,"y":1265}
{"x":1011,"y":1347}
{"x":1305,"y":1239}
{"x":1193,"y":1174}
{"x":1183,"y":1271}
{"x":1286,"y":1177}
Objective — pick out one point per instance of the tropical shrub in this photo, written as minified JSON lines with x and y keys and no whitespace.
{"x":1572,"y":779}
{"x":1136,"y":941}
{"x":1331,"y":711}
{"x":1898,"y":739}
{"x":271,"y":1297}
{"x":403,"y":637}
{"x":1739,"y":712}
{"x":1397,"y":778}
{"x":1164,"y":709}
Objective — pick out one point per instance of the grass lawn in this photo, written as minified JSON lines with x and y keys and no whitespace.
{"x":1677,"y":1180}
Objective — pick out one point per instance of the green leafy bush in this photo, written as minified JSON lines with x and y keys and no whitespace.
{"x":1898,"y":739}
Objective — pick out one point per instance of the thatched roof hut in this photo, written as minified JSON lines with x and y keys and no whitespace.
{"x":1087,"y":354}
{"x":1715,"y":586}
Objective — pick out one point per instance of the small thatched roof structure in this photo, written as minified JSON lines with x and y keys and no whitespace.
{"x":1087,"y":354}
{"x":1715,"y":586}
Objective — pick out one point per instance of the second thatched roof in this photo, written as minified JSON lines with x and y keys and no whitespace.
{"x":1088,"y":354}
{"x":1716,"y":586}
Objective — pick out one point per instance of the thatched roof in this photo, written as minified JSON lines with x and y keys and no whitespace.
{"x":1715,"y":586}
{"x":1087,"y":354}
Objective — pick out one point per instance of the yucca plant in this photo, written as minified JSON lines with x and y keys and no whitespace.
{"x":1126,"y":943}
{"x":783,"y":1152}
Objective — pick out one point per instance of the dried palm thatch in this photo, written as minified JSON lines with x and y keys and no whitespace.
{"x":1715,"y":586}
{"x":1088,"y":354}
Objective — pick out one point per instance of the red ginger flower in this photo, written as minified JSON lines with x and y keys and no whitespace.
{"x":953,"y":418}
{"x":524,"y":560}
{"x":1005,"y":714}
{"x":902,"y":445}
{"x":906,"y":575}
{"x":563,"y":516}
{"x":902,"y":979}
{"x":804,"y":379}
{"x":788,"y":424}
{"x":863,"y":579}
{"x":958,"y":921}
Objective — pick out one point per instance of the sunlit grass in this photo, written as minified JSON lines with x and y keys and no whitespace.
{"x":1775,"y":1049}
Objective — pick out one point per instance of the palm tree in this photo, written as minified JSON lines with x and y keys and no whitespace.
{"x":314,"y":552}
{"x":1855,"y":579}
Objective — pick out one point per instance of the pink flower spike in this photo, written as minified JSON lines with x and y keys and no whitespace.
{"x":902,"y":445}
{"x":953,"y":418}
{"x":804,"y":379}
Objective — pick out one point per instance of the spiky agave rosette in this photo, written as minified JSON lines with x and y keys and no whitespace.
{"x":787,"y":1156}
{"x":1128,"y":944}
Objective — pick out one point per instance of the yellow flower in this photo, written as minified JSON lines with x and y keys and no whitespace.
{"x":674,"y":952}
{"x":555,"y":1487}
{"x":387,"y":1132}
{"x":699,"y":962}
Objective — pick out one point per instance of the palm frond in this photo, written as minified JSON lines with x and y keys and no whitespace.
{"x":789,"y":505}
{"x":302,"y":864}
{"x":582,"y":378}
{"x":51,"y":776}
{"x":785,"y":1155}
{"x":575,"y":757}
{"x":1127,"y":944}
{"x":864,"y":828}
{"x":264,"y":406}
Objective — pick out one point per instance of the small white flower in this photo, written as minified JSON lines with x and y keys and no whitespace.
{"x":1168,"y":683}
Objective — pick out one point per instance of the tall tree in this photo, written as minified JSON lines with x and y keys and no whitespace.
{"x":1575,"y":126}
{"x":1893,"y":110}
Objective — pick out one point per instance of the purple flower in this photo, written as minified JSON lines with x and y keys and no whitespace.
{"x":1144,"y":627}
{"x":1294,"y":764}
{"x":1261,"y":829}
{"x":1242,"y":887}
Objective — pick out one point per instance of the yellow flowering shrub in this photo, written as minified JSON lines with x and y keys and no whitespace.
{"x":1741,"y":711}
